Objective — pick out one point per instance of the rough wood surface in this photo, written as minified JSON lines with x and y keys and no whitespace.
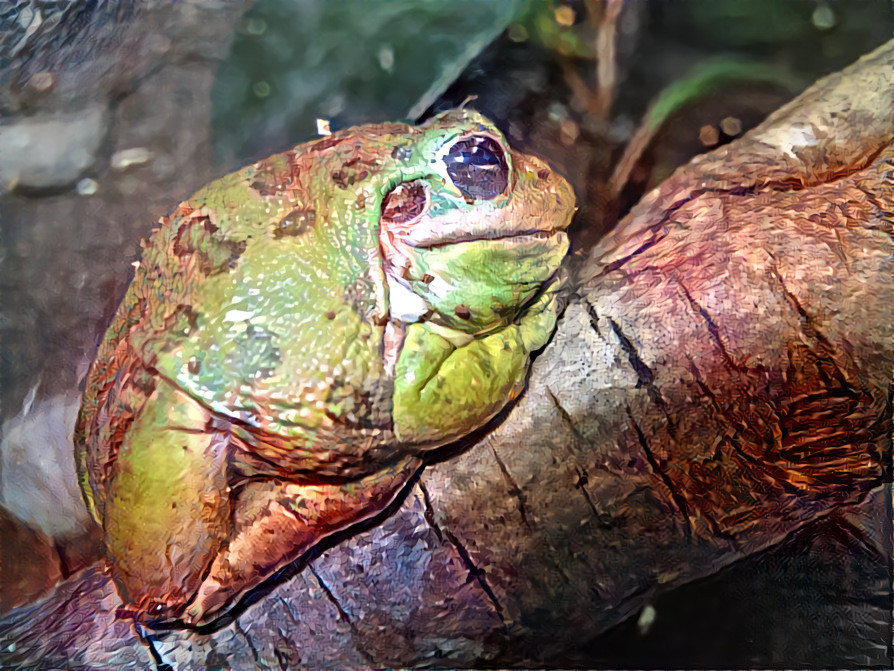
{"x":721,"y":377}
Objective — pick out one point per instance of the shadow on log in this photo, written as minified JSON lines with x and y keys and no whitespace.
{"x":721,"y":377}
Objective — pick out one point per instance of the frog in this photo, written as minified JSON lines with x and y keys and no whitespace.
{"x":299,"y":339}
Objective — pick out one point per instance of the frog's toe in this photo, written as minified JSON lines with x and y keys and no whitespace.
{"x":269,"y":541}
{"x":210,"y":599}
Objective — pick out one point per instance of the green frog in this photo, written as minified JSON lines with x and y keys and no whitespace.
{"x":298,"y":338}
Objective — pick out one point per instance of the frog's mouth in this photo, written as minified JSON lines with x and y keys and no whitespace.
{"x":506,"y":227}
{"x":497,"y":225}
{"x":520,"y":237}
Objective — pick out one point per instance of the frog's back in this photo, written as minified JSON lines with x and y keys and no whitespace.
{"x":261,"y":301}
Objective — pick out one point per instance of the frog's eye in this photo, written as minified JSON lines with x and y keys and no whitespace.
{"x":478,"y":167}
{"x":405,"y":203}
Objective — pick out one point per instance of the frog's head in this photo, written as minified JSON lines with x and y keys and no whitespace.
{"x":472,"y":239}
{"x":468,"y":229}
{"x":445,"y":237}
{"x":473,"y":230}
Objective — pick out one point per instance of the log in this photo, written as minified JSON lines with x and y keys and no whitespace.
{"x":722,"y":376}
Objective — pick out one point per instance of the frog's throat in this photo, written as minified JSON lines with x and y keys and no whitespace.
{"x":407,"y":307}
{"x":443,"y":392}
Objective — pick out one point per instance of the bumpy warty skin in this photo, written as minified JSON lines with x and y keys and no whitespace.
{"x":298,"y":335}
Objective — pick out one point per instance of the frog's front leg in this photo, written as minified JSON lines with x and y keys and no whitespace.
{"x":167,"y":511}
{"x":275,"y":522}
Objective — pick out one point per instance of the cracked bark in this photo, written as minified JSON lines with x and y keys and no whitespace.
{"x":342,"y":613}
{"x":775,"y":410}
{"x":513,"y":489}
{"x":679,"y":500}
{"x":251,"y":646}
{"x":583,"y":475}
{"x":475,"y":573}
{"x":710,"y":325}
{"x":642,"y":370}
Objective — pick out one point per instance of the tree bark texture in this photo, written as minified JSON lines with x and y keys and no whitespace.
{"x":721,"y":376}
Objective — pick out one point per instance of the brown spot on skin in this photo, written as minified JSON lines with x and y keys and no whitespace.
{"x":226,"y":260}
{"x":270,"y":180}
{"x":330,"y":314}
{"x":328,"y":143}
{"x":190,"y":236}
{"x":462,"y":312}
{"x":262,"y":185}
{"x":353,"y":170}
{"x":144,"y":381}
{"x":295,"y":223}
{"x":339,"y":179}
{"x":214,"y":254}
{"x":194,"y":366}
{"x":269,"y":184}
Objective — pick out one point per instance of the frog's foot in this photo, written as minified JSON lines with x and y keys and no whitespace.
{"x":277,"y":522}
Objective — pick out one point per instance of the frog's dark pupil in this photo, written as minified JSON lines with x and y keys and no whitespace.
{"x":477,"y":166}
{"x":406,"y":202}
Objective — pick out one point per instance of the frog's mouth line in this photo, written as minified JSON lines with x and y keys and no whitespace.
{"x":514,"y":237}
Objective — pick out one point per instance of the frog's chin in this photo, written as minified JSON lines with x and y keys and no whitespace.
{"x":405,"y":305}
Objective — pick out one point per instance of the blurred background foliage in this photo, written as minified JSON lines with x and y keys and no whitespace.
{"x":292,"y":62}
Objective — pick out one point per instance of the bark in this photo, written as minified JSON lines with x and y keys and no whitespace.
{"x":721,"y":377}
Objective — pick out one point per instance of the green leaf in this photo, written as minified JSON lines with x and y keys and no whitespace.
{"x":349,"y":61}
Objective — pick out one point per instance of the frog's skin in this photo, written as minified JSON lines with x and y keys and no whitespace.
{"x":298,"y":335}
